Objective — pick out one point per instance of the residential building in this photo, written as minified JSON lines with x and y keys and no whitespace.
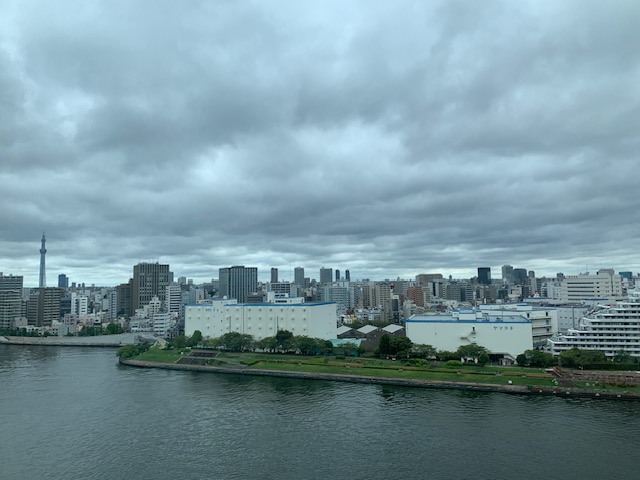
{"x":608,"y":328}
{"x":10,"y":300}
{"x":43,"y":306}
{"x":173,"y":299}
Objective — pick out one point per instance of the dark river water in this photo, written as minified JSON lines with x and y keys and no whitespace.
{"x":74,"y":413}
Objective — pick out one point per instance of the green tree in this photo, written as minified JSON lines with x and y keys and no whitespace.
{"x":576,"y":358}
{"x":195,"y":339}
{"x":423,"y":351}
{"x":400,"y":346}
{"x":131,"y":351}
{"x":180,"y":341}
{"x":285,"y":340}
{"x":306,"y":345}
{"x":384,"y":347}
{"x":267,"y":344}
{"x":622,"y":357}
{"x":522,"y":360}
{"x":237,"y":342}
{"x":474,"y":352}
{"x":446,"y":355}
{"x":326,"y":347}
{"x":113,"y":329}
{"x":346,"y":348}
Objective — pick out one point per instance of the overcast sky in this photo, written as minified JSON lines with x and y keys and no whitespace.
{"x":391,"y":138}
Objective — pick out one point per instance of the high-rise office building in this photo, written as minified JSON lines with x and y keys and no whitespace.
{"x":63,"y":281}
{"x":337,"y":275}
{"x":43,"y":306}
{"x":10,"y":299}
{"x":507,"y":274}
{"x":238,"y":282}
{"x":326,"y":275}
{"x":520,"y":276}
{"x":298,"y":276}
{"x":484,"y":275}
{"x":347,"y":275}
{"x":274,"y":275}
{"x":149,"y":280}
{"x":124,"y":298}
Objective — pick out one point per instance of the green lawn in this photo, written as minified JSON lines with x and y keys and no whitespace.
{"x":374,"y":367}
{"x":158,"y":355}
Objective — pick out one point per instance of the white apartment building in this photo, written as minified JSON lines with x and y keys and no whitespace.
{"x":608,"y":328}
{"x":261,"y":320}
{"x":162,"y":324}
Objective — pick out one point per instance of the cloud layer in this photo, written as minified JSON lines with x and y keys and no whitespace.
{"x":389,"y":138}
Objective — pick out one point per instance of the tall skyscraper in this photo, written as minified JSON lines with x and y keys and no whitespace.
{"x":507,"y":274}
{"x":298,"y":276}
{"x":63,"y":281}
{"x":43,"y":275}
{"x":519,"y":276}
{"x":484,"y":275}
{"x":10,"y":299}
{"x":347,"y":275}
{"x":337,"y":275}
{"x":238,"y":282}
{"x":149,"y":280}
{"x":326,"y":275}
{"x":274,"y":275}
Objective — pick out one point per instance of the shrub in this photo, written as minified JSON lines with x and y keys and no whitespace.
{"x":454,"y":363}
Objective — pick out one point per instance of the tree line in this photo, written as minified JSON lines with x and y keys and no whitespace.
{"x":285,"y":342}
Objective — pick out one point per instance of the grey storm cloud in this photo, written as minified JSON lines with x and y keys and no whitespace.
{"x":389,"y":138}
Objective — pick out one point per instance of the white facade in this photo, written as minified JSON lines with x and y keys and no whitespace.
{"x":544,"y":320}
{"x":173,"y":298}
{"x":605,"y":284}
{"x":162,"y":324}
{"x":261,"y":320}
{"x":500,"y":333}
{"x":607,"y":328}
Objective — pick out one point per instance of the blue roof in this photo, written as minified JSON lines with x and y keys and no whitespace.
{"x":315,"y":304}
{"x":452,"y":319}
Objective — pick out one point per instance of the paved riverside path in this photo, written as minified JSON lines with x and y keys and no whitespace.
{"x":97,"y":341}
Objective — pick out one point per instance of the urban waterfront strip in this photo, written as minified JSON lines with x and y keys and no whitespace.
{"x":487,"y":379}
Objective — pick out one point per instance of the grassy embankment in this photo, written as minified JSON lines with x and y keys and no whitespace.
{"x":368,"y":367}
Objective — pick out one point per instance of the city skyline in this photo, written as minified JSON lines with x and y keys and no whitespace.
{"x":389,"y":139}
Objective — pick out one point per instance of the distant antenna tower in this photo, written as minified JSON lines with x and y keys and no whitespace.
{"x":43,"y":275}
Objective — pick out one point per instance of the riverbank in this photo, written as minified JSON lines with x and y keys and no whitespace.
{"x":110,"y":341}
{"x":538,"y":390}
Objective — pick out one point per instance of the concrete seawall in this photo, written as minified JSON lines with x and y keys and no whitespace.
{"x":335,"y":377}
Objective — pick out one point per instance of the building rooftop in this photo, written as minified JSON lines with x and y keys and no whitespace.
{"x":392,"y":328}
{"x":368,"y":329}
{"x":491,"y":318}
